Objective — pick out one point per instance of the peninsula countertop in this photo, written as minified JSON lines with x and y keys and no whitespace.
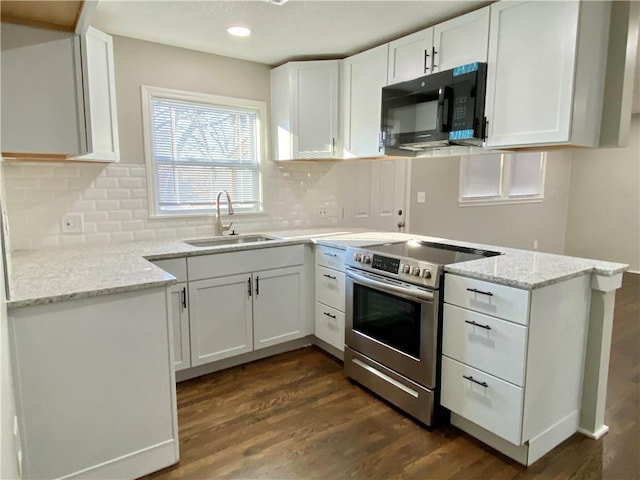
{"x":54,"y":275}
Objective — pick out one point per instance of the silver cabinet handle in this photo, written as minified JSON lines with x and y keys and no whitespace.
{"x":471,"y":379}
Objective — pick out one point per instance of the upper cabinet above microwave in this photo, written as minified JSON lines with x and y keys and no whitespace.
{"x":58,"y":95}
{"x":442,"y":47}
{"x":546,"y":73}
{"x":304,"y":110}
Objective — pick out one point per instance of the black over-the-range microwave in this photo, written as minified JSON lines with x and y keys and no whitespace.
{"x":444,"y":108}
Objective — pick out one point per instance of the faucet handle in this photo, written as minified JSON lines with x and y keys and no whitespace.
{"x":226,"y":227}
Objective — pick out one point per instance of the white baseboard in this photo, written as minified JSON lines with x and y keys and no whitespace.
{"x":133,"y":465}
{"x":553,"y":436}
{"x":595,"y":435}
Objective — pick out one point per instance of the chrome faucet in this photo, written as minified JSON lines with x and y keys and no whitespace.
{"x":219,"y":227}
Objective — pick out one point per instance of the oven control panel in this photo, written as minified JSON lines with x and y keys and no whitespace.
{"x":410,"y":270}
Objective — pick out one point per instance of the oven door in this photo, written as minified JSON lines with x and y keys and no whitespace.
{"x":393,"y":323}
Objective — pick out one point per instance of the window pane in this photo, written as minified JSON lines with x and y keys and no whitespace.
{"x":200,"y":149}
{"x":482,"y":176}
{"x":526,"y":174}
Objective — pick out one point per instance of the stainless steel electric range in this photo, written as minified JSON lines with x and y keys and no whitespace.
{"x":393,"y":320}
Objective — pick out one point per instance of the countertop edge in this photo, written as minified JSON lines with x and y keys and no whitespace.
{"x":30,"y":302}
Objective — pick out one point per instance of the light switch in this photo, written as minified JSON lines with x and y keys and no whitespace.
{"x":422,"y":197}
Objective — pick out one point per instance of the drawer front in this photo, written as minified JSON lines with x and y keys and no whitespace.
{"x":175,"y":266}
{"x":486,"y":297}
{"x":244,"y":261}
{"x":495,"y":406}
{"x":330,"y":325}
{"x":330,"y":257}
{"x":489,"y":344}
{"x":330,"y":287}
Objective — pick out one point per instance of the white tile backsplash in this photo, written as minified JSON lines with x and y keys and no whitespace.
{"x":113,"y":201}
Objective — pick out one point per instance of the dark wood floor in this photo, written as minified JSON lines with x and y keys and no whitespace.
{"x":295,"y":416}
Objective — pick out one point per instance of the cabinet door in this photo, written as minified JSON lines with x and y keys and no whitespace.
{"x":278,"y":313}
{"x":461,"y":40}
{"x":364,"y":75}
{"x":220,"y":316}
{"x":42,"y":105}
{"x":410,"y":56}
{"x":178,"y":306}
{"x":304,"y":109}
{"x":100,"y":98}
{"x":532,"y":49}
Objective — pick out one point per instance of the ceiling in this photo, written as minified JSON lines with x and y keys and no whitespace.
{"x":298,"y":29}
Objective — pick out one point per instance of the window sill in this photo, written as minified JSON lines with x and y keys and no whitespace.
{"x":499,"y":201}
{"x":224,"y":214}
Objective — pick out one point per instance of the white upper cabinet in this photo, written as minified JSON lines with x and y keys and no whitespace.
{"x":58,"y":95}
{"x":304,"y":110}
{"x":462,"y":40}
{"x":363,"y":76}
{"x":447,"y":45}
{"x":546,"y":70}
{"x":410,"y":56}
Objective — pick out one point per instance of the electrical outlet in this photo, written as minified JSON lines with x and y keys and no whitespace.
{"x":322,"y":212}
{"x":72,"y":223}
{"x":422,"y":197}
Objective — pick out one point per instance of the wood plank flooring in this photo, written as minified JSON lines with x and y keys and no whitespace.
{"x":295,"y":416}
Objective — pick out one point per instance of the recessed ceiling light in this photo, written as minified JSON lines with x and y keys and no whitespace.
{"x":237,"y":31}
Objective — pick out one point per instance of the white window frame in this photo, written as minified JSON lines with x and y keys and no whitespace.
{"x":148,"y":93}
{"x":503,"y":198}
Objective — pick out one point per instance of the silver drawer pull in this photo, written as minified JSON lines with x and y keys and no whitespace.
{"x":330,"y":254}
{"x":475,"y":290}
{"x":329,"y":315}
{"x":470,"y":378}
{"x":329,"y":276}
{"x":471,"y":322}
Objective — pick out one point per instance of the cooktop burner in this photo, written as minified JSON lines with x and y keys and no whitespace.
{"x":438,"y":253}
{"x":414,"y":261}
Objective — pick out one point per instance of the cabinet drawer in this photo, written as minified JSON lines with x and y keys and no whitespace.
{"x":330,"y":257}
{"x":330,"y":287}
{"x":330,"y":325}
{"x":486,"y":297}
{"x":489,"y":344}
{"x":244,"y":261}
{"x":495,"y":405}
{"x":175,"y":266}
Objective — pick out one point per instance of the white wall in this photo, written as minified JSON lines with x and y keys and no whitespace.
{"x":604,"y":203}
{"x":113,"y":198}
{"x":514,"y":226}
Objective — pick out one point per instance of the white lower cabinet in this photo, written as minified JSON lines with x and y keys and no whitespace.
{"x":330,"y":296}
{"x":221,"y":318}
{"x":278,"y":303}
{"x":513,"y":362}
{"x":492,"y":403}
{"x":178,"y":306}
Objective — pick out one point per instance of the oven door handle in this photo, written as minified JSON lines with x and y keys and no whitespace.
{"x":379,"y":284}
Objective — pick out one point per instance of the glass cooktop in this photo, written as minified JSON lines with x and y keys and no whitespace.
{"x":437,"y":253}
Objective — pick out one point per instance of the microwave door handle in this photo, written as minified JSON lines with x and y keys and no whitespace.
{"x":444,"y":116}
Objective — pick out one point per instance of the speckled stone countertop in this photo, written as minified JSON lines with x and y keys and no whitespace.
{"x":54,"y":275}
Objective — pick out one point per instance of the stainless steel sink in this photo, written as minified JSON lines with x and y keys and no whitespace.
{"x":231,"y":240}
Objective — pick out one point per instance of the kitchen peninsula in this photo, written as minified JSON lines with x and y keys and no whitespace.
{"x":122,"y":281}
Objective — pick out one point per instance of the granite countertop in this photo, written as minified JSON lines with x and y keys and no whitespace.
{"x":54,"y":275}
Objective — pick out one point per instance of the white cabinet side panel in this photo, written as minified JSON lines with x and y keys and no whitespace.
{"x":95,"y":381}
{"x":555,"y":356}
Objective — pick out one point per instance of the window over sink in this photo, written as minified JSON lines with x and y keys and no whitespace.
{"x":197,"y":145}
{"x":502,"y":178}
